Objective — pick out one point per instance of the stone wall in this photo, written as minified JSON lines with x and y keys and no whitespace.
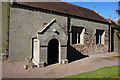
{"x":4,"y":24}
{"x":0,"y":30}
{"x":24,"y":23}
{"x":116,"y":41}
{"x":90,"y":46}
{"x":119,"y":44}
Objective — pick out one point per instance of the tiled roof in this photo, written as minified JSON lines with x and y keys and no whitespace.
{"x":41,"y":30}
{"x":66,"y":8}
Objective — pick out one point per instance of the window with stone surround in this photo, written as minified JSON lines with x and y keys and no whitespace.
{"x":100,"y":34}
{"x":78,"y":35}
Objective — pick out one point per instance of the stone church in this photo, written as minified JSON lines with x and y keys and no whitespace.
{"x":52,"y":32}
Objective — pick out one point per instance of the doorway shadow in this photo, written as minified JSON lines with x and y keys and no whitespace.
{"x":53,"y":51}
{"x":73,"y":54}
{"x":112,"y":40}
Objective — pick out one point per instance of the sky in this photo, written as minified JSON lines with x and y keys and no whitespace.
{"x":104,"y":8}
{"x":91,"y":0}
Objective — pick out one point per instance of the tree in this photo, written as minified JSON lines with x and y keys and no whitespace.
{"x":118,"y":12}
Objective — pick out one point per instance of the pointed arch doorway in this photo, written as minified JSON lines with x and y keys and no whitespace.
{"x":53,"y":51}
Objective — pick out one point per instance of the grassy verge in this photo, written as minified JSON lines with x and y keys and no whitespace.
{"x":106,"y":72}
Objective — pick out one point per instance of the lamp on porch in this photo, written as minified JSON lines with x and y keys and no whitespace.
{"x":54,"y":30}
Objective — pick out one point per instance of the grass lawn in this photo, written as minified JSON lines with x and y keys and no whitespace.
{"x":106,"y":72}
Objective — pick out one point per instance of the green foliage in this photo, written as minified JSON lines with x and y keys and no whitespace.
{"x":119,"y":22}
{"x":118,"y":11}
{"x":118,"y":27}
{"x":105,"y":73}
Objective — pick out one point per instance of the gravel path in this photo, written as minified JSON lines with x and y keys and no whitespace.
{"x":93,"y":62}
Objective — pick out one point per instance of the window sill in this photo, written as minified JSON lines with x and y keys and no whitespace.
{"x":100,"y":44}
{"x":77,"y":44}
